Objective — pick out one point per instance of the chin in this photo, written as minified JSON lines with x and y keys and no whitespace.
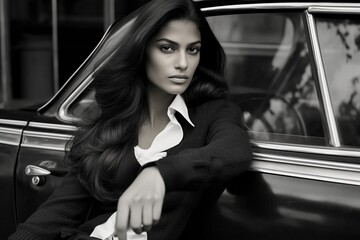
{"x":175,"y":92}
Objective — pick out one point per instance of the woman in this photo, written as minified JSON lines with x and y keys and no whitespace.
{"x":166,"y":141}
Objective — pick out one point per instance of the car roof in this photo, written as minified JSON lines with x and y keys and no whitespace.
{"x":211,"y":3}
{"x":269,"y":2}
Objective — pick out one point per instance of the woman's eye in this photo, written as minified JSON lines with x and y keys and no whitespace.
{"x":194,"y":50}
{"x":167,"y":49}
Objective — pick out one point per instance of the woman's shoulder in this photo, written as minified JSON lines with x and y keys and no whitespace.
{"x":217,"y":107}
{"x":217,"y":104}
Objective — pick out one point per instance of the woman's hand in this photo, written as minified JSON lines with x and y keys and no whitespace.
{"x":140,"y":205}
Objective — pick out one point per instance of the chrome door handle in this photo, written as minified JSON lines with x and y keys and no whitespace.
{"x":32,"y":170}
{"x":38,"y":174}
{"x":46,"y":168}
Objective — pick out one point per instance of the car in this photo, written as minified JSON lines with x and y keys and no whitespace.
{"x":292,"y":67}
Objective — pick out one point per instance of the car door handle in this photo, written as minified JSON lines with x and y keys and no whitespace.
{"x":38,"y":173}
{"x":45,"y":168}
{"x":32,"y":170}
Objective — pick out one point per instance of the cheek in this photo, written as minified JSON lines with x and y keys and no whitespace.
{"x":194,"y":64}
{"x":151,"y":70}
{"x":155,"y":66}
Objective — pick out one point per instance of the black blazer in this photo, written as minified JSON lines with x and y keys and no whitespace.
{"x":195,"y":173}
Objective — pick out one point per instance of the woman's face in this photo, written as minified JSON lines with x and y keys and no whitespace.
{"x":173,"y":56}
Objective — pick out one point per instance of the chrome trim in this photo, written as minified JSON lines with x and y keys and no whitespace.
{"x":54,"y":126}
{"x":334,"y":10}
{"x":307,"y":162}
{"x":55,"y":44}
{"x":344,"y":173}
{"x":59,"y":136}
{"x":10,"y":130}
{"x":53,"y":147}
{"x":63,"y":111}
{"x":323,"y":150}
{"x":13,"y":122}
{"x":48,"y":141}
{"x":32,"y":170}
{"x":278,"y":6}
{"x":334,"y":138}
{"x":10,"y":136}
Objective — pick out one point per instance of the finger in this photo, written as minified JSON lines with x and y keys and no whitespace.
{"x":122,"y":219}
{"x":157,"y":208}
{"x":136,"y":216}
{"x":147,"y":217}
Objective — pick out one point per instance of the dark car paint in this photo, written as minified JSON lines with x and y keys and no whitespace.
{"x":269,"y":206}
{"x":272,"y":206}
{"x":45,"y":147}
{"x":11,"y":127}
{"x":257,"y":205}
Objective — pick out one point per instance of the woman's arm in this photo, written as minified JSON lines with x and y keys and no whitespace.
{"x":140,"y":205}
{"x":67,"y":207}
{"x":227,"y":153}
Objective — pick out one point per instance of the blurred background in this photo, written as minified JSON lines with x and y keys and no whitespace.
{"x":44,"y":41}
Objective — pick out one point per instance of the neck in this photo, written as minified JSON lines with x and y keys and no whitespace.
{"x":158,"y":102}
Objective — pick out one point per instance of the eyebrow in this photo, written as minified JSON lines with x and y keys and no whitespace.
{"x":175,"y":43}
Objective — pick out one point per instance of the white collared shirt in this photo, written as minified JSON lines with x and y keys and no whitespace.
{"x":167,"y":138}
{"x":170,"y":137}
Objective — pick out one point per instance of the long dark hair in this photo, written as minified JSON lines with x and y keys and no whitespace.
{"x":99,"y":147}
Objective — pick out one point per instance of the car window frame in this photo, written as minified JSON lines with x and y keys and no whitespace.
{"x":321,"y":12}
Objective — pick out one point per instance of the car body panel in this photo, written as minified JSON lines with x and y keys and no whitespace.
{"x":11,"y":127}
{"x":43,"y":145}
{"x":282,"y":207}
{"x":314,"y":196}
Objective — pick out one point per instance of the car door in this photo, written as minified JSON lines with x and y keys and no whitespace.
{"x":40,"y":163}
{"x":12,"y":124}
{"x":303,"y":121}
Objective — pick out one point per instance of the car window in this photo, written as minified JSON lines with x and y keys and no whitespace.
{"x":84,"y":108}
{"x":270,"y":77}
{"x":82,"y":105}
{"x":339,"y":39}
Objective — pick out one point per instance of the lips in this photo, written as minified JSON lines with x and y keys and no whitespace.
{"x":179,"y":78}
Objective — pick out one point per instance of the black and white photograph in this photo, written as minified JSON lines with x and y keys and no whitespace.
{"x":179,"y":120}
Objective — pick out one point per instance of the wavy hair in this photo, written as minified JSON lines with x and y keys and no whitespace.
{"x":99,"y":146}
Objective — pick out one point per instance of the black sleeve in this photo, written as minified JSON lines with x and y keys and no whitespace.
{"x":226,"y":154}
{"x":67,"y":207}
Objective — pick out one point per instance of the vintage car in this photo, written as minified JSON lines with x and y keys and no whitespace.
{"x":293,"y":68}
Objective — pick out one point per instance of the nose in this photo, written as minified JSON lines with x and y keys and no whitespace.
{"x":181,"y":61}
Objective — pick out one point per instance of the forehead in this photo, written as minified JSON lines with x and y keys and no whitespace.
{"x":183,"y":30}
